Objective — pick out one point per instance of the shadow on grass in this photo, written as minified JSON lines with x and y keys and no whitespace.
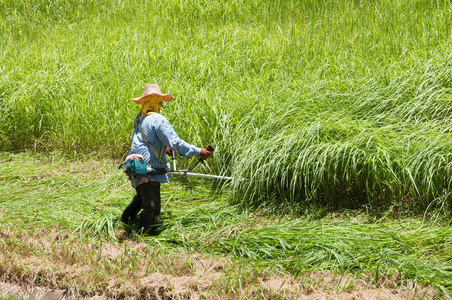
{"x":132,"y":229}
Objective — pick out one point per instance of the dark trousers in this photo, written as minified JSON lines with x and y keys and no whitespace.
{"x":147,"y":199}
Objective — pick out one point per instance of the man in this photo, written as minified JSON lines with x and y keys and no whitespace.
{"x":152,"y":135}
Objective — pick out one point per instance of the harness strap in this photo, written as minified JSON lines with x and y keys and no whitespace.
{"x":156,"y":153}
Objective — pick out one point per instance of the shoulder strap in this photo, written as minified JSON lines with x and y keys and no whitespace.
{"x":156,"y":153}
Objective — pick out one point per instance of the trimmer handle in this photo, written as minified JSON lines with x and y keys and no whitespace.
{"x":173,"y":154}
{"x":208,"y":148}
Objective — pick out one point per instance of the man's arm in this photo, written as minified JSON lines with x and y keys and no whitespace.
{"x":169,"y":137}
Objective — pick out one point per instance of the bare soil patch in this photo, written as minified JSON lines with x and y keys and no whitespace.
{"x":50,"y":265}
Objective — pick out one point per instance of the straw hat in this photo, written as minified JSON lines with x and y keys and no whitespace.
{"x":152,"y":90}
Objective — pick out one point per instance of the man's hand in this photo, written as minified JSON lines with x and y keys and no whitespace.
{"x":169,"y":151}
{"x":205,"y":154}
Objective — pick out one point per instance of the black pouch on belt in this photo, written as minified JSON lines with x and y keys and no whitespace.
{"x":157,"y":171}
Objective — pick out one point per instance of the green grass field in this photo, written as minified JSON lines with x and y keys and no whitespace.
{"x":332,"y":116}
{"x":346,"y":96}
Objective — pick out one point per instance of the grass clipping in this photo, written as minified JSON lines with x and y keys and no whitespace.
{"x":49,"y":263}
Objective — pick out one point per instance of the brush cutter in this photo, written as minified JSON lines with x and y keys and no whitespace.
{"x":135,"y":165}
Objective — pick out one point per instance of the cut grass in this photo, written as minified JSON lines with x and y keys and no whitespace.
{"x":72,"y":207}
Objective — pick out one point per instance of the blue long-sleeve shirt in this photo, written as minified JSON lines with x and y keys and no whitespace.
{"x":157,"y":131}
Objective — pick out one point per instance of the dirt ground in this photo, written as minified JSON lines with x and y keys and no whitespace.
{"x":205,"y":283}
{"x":24,"y":275}
{"x":156,"y":287}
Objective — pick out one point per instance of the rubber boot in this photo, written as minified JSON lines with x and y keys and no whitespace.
{"x":150,"y":199}
{"x":147,"y":222}
{"x":131,"y":210}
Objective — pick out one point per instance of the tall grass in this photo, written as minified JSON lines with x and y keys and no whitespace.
{"x":310,"y":101}
{"x":377,"y":143}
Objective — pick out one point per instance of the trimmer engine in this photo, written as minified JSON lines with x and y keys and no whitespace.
{"x":135,"y":165}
